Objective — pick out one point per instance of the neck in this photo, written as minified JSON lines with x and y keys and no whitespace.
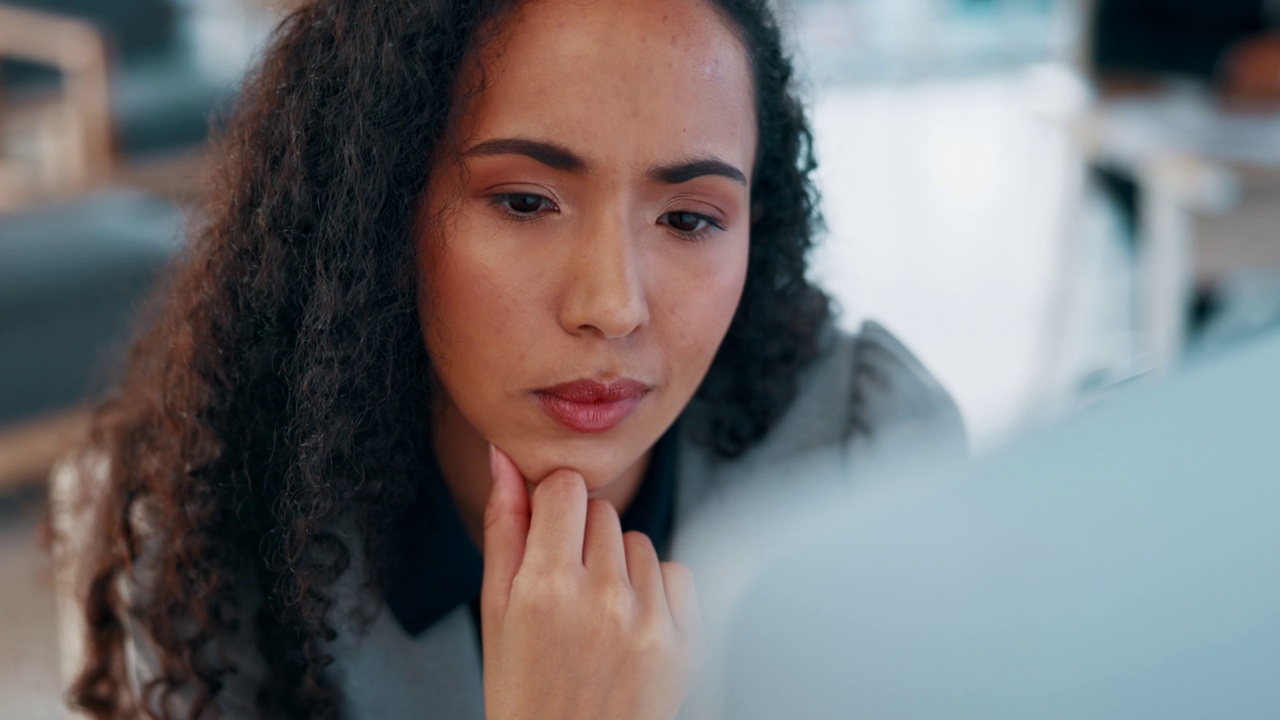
{"x":463,"y":456}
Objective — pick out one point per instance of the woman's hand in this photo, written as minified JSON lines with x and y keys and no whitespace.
{"x":579,"y":620}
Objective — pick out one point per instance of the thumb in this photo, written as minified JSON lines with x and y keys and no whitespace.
{"x":506,"y":529}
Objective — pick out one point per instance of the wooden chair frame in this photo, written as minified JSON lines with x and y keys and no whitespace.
{"x":76,"y":137}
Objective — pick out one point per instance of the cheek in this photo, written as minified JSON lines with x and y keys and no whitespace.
{"x":467,"y":311}
{"x":700,"y":309}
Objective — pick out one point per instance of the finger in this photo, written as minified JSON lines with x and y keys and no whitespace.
{"x":558,"y":521}
{"x":682,"y":597}
{"x":645,"y":572}
{"x":506,"y":527}
{"x":602,"y":550}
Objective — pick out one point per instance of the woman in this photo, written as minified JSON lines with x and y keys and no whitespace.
{"x":459,"y":247}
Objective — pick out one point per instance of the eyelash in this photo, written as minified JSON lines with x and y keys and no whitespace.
{"x":695,"y":235}
{"x":503,"y":202}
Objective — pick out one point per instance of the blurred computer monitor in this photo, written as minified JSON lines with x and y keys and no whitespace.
{"x":1125,"y":564}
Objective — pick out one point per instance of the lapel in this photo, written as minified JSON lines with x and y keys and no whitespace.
{"x":388,"y":675}
{"x":385,"y":674}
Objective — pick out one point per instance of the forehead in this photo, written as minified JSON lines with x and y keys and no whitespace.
{"x":617,"y":74}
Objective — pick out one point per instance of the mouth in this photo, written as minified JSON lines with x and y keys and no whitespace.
{"x":591,"y":406}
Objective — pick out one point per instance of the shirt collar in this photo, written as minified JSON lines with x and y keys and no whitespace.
{"x":435,"y":566}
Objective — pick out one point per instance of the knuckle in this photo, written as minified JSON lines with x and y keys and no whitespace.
{"x":558,"y":586}
{"x":674,"y":573}
{"x":603,"y":508}
{"x":601,"y":517}
{"x":616,"y":604}
{"x":561,"y":485}
{"x":544,"y":593}
{"x":655,"y":635}
{"x":638,"y":542}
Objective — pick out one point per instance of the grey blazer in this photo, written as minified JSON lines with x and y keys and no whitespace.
{"x":867,"y":396}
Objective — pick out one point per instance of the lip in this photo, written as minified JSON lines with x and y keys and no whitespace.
{"x":591,"y":406}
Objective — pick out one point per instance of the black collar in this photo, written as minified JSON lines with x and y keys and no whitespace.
{"x":434,"y":565}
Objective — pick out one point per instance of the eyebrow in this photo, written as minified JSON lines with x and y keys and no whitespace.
{"x":552,"y":155}
{"x":558,"y":157}
{"x":685,"y":171}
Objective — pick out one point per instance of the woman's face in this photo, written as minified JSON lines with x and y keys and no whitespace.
{"x":583,"y":258}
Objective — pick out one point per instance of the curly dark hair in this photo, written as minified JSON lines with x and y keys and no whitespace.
{"x":279,"y":383}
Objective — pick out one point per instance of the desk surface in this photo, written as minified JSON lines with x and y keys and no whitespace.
{"x":1189,"y":122}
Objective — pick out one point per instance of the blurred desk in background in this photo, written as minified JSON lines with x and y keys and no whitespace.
{"x":28,"y":450}
{"x":1189,"y":155}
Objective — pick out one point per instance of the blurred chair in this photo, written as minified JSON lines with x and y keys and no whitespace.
{"x":62,"y":140}
{"x":160,"y":103}
{"x":71,"y":276}
{"x":94,"y":96}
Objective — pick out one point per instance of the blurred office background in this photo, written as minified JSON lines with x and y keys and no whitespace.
{"x":1040,"y":223}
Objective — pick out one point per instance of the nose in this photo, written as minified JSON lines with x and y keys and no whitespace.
{"x":605,"y":289}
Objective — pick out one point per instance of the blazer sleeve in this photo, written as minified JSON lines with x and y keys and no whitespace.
{"x":894,"y":400}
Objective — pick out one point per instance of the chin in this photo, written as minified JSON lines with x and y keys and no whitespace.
{"x":598,"y":461}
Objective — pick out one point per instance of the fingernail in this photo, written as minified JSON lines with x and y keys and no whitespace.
{"x":493,"y":463}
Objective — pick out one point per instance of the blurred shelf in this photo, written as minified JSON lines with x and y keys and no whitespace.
{"x":29,"y":449}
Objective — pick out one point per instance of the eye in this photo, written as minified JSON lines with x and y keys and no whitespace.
{"x":522,"y":206}
{"x":689,"y":224}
